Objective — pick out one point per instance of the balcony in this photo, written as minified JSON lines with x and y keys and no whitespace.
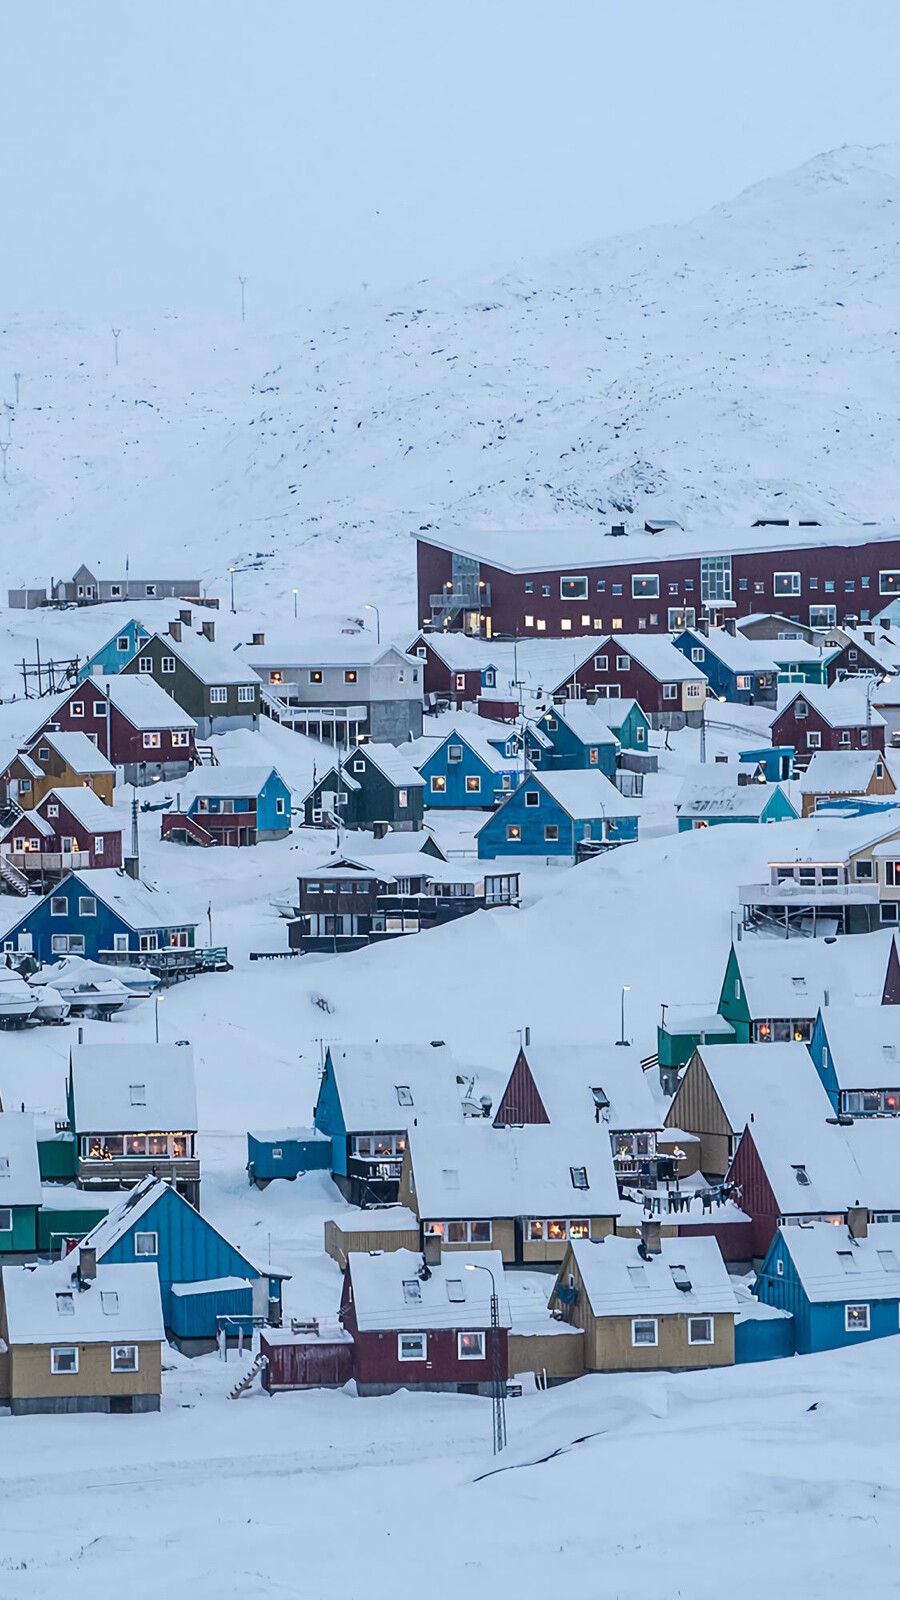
{"x":128,"y":1171}
{"x":35,"y":862}
{"x":476,"y":597}
{"x":791,"y":893}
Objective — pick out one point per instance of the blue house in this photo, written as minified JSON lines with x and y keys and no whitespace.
{"x":92,"y":912}
{"x":154,"y":1223}
{"x":578,"y":738}
{"x":738,"y":669}
{"x":558,"y":814}
{"x":856,"y":1051}
{"x":117,"y":651}
{"x":472,"y":768}
{"x":231,"y":805}
{"x":705,"y":802}
{"x":840,"y":1284}
{"x":775,"y":761}
{"x":286,"y":1154}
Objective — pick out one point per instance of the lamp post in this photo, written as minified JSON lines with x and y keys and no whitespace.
{"x":497,"y":1384}
{"x":157,"y":999}
{"x":626,"y":989}
{"x":295,"y":605}
{"x":377,"y":621}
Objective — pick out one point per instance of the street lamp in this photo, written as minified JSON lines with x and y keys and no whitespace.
{"x":497,"y":1384}
{"x":377,"y":621}
{"x":295,"y":605}
{"x":157,"y":999}
{"x":232,"y":571}
{"x":626,"y":989}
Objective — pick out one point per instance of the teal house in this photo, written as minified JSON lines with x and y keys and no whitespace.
{"x":573,"y":737}
{"x":559,"y":814}
{"x":705,"y":803}
{"x":473,"y":768}
{"x":627,"y":721}
{"x":231,"y":805}
{"x":155,"y":1223}
{"x":856,"y":1052}
{"x":840,"y":1284}
{"x":20,"y":1184}
{"x":116,"y":652}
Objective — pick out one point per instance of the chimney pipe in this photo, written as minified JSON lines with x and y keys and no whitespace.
{"x":651,"y":1237}
{"x":175,"y":631}
{"x":258,"y":638}
{"x":431,"y":1249}
{"x":858,"y":1221}
{"x":208,"y":630}
{"x":730,"y":626}
{"x":592,"y":696}
{"x":527,"y":1036}
{"x":87,"y":1263}
{"x":81,"y":1036}
{"x":185,"y":616}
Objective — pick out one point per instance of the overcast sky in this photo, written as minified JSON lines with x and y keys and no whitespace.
{"x":155,"y":149}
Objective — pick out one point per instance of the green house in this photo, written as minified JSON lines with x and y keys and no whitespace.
{"x":20,"y":1183}
{"x":627,"y":721}
{"x":213,"y":685}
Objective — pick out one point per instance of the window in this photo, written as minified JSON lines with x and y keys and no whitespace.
{"x":65,"y":1304}
{"x":670,"y":691}
{"x":315,"y":676}
{"x":150,"y":591}
{"x":513,"y":833}
{"x":889,"y":583}
{"x":137,"y":1094}
{"x":53,"y":811}
{"x":532,"y":797}
{"x":350,"y":676}
{"x":644,"y":1331}
{"x":551,"y":833}
{"x":698,"y":654}
{"x":470,"y":1346}
{"x":402,"y":799}
{"x":700,"y":1330}
{"x":473,"y":786}
{"x":218,"y":695}
{"x":617,"y":624}
{"x":5,"y":1219}
{"x":579,"y":1177}
{"x":891,"y":874}
{"x":412,"y":1346}
{"x":786,"y":583}
{"x":715,"y":578}
{"x":100,"y":710}
{"x":849,"y":586}
{"x":566,"y":625}
{"x":529,"y":586}
{"x":438,"y":784}
{"x":145,"y":664}
{"x":146,"y":1244}
{"x":454,"y":752}
{"x":779,"y":1268}
{"x":167,"y":664}
{"x":109,"y":1302}
{"x":679,"y":619}
{"x":359,"y":764}
{"x":645,"y":586}
{"x":813,"y":741}
{"x":856,"y":1319}
{"x":246,"y":693}
{"x":180,"y":738}
{"x":573,"y":588}
{"x":529,"y":622}
{"x":412,"y":1291}
{"x":822,"y":616}
{"x":623,"y":663}
{"x":545,"y":591}
{"x":59,"y":905}
{"x":601,"y":585}
{"x":63,"y":1360}
{"x":601,"y":663}
{"x":123,"y":1357}
{"x":122,"y":643}
{"x":152,"y":741}
{"x":829,"y":586}
{"x":862,"y":871}
{"x":617,"y":588}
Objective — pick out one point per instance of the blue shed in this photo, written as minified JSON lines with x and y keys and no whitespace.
{"x":840,"y":1284}
{"x":574,"y":736}
{"x":198,"y":1310}
{"x":472,"y":768}
{"x":762,"y":1332}
{"x":708,"y":802}
{"x":154,"y":1223}
{"x":776,"y":761}
{"x":287,"y":1154}
{"x":89,"y":913}
{"x":117,"y":651}
{"x":553,"y":814}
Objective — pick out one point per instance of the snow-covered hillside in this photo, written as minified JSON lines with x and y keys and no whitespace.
{"x":741,"y":364}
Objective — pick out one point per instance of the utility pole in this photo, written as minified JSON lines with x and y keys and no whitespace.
{"x":4,"y":448}
{"x":16,"y":378}
{"x":498,"y":1386}
{"x":242,"y":282}
{"x":115,"y":333}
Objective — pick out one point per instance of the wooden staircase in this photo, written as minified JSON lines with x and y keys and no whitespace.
{"x":175,"y":822}
{"x":245,"y":1383}
{"x":206,"y":755}
{"x":12,"y":881}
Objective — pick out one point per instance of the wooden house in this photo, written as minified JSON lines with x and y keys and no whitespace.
{"x":577,"y":736}
{"x":215,"y":689}
{"x":98,"y":914}
{"x":87,"y":588}
{"x":456,"y":669}
{"x":20,"y":1184}
{"x":378,"y":1228}
{"x":726,"y":1086}
{"x":230,"y":806}
{"x":772,"y":991}
{"x":353,"y":901}
{"x":771,"y":625}
{"x":60,"y":761}
{"x":116,"y":652}
{"x":75,"y":1336}
{"x":627,"y":722}
{"x":838,"y":877}
{"x":369,"y":1097}
{"x":68,"y":830}
{"x":838,"y":718}
{"x":747,"y":670}
{"x":156,"y":1223}
{"x":670,"y":690}
{"x":471,"y":768}
{"x":833,"y":776}
{"x":133,"y":1112}
{"x":559,"y":814}
{"x":856,"y":1052}
{"x":840,"y":1285}
{"x":141,"y":730}
{"x":341,"y":689}
{"x":426,"y":1326}
{"x":526,"y":1191}
{"x":376,"y":786}
{"x":707,"y":801}
{"x":870,"y":650}
{"x":650,"y":1304}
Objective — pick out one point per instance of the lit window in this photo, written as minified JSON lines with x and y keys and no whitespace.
{"x":470,"y":1346}
{"x":573,"y":588}
{"x":124,"y":1358}
{"x":529,"y":622}
{"x":856,"y":1319}
{"x":473,"y":786}
{"x":566,"y":625}
{"x":541,"y":625}
{"x":645,"y":586}
{"x":350,"y":677}
{"x":152,"y":741}
{"x":438,"y":784}
{"x":513,"y":833}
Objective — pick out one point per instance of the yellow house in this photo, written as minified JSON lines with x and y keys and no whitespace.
{"x":835,"y":775}
{"x":64,"y":761}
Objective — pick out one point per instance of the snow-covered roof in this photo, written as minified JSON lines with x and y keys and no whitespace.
{"x":655,"y":652}
{"x":26,"y":761}
{"x":27,"y":821}
{"x":587,"y":722}
{"x":459,"y":652}
{"x":707,"y":798}
{"x":812,"y":1165}
{"x":832,"y":840}
{"x":573,"y":549}
{"x":840,"y":771}
{"x":134,"y":1088}
{"x":87,"y":808}
{"x":620,"y":1282}
{"x":78,"y":752}
{"x":326,"y":650}
{"x":864,"y":1045}
{"x":47,"y":1305}
{"x":209,"y":661}
{"x":882,"y":645}
{"x":376,"y":1219}
{"x":585,"y":794}
{"x":211,"y":1286}
{"x":142,"y":702}
{"x":778,"y":1078}
{"x":834,"y":1267}
{"x":472,"y":1169}
{"x":20,"y":1179}
{"x":567,"y":1074}
{"x":842,"y":705}
{"x":740,"y":654}
{"x":138,"y":903}
{"x":223,"y":782}
{"x":390,"y":1290}
{"x":789,"y":978}
{"x":392,"y":762}
{"x":377,"y":1082}
{"x":477,"y":733}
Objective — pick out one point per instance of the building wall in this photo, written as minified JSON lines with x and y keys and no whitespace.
{"x":788,"y":728}
{"x":193,"y":695}
{"x":339,"y":1242}
{"x":31,"y":1378}
{"x":557,"y":1356}
{"x":532,"y":820}
{"x":377,"y":1361}
{"x":820,"y":1326}
{"x":98,"y":931}
{"x":110,"y":659}
{"x":757,"y":1198}
{"x":117,"y":738}
{"x":395,"y":721}
{"x":22,"y":1236}
{"x":697,"y":1109}
{"x":456,"y":795}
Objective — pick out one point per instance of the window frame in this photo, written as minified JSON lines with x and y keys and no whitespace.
{"x":710,"y":1323}
{"x":421,"y":1355}
{"x":645,"y":1344}
{"x":471,"y":1333}
{"x":57,"y":1350}
{"x":858,"y":1327}
{"x":574,"y":578}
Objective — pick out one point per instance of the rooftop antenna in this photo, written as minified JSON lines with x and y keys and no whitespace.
{"x":4,"y":448}
{"x":16,"y":379}
{"x":242,"y":282}
{"x":115,"y":333}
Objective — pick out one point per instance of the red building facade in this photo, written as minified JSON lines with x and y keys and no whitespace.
{"x":153,"y":750}
{"x":800,"y":724}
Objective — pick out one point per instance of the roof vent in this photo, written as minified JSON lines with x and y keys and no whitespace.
{"x":801,"y":1174}
{"x":681,"y":1279}
{"x":616,"y":530}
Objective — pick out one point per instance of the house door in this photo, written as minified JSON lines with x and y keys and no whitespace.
{"x":148,"y":942}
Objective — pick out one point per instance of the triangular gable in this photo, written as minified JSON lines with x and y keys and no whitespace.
{"x":695,"y":1102}
{"x":891,"y":993}
{"x":521,"y":1100}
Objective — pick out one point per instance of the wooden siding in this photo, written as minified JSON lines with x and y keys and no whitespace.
{"x":697,"y":1109}
{"x":608,"y":1346}
{"x":521,"y":1101}
{"x":30,"y":1376}
{"x":757,"y":1198}
{"x":558,"y":1355}
{"x":340,"y":1241}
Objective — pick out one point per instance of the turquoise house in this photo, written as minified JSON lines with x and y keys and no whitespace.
{"x":704,"y":803}
{"x":558,"y":814}
{"x":234,"y":805}
{"x":472,"y":768}
{"x":856,"y":1052}
{"x":117,"y":651}
{"x":840,"y":1284}
{"x":571,"y":737}
{"x":20,"y":1183}
{"x":627,"y":721}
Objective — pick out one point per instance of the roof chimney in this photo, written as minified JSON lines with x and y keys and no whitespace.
{"x":87,"y":1264}
{"x":617,"y":530}
{"x":431,"y":1249}
{"x":651,"y":1238}
{"x":703,"y":627}
{"x":592,"y":696}
{"x":175,"y":631}
{"x":858,"y":1221}
{"x":258,"y":638}
{"x":208,"y":630}
{"x":185,"y":616}
{"x":730,"y":626}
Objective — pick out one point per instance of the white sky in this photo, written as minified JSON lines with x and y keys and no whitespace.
{"x":154,"y":149}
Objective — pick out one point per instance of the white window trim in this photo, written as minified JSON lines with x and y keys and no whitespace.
{"x":424,"y":1339}
{"x":644,"y":1344}
{"x":58,"y":1349}
{"x":787,"y":594}
{"x":573,"y":577}
{"x":646,"y":577}
{"x":112,"y":1357}
{"x":470,"y":1333}
{"x":710,"y":1321}
{"x":858,"y":1305}
{"x":145,"y":1255}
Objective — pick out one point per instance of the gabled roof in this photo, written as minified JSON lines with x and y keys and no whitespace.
{"x":587,"y":722}
{"x":777,"y":1079}
{"x":135,"y":1204}
{"x":620,"y":1282}
{"x":833,"y":1267}
{"x":134,"y":1088}
{"x":390,"y":1290}
{"x":76,"y":750}
{"x":141,"y":701}
{"x":881,"y":644}
{"x":138,"y":903}
{"x":20,"y":1179}
{"x":221,"y":782}
{"x":370,"y":1078}
{"x":654,"y":652}
{"x":31,"y":767}
{"x":208,"y":660}
{"x":815,"y":1166}
{"x":863,"y":1045}
{"x":843,"y":705}
{"x":86,"y":807}
{"x":841,"y":771}
{"x":565,"y":1076}
{"x":472,"y":1169}
{"x":740,"y":654}
{"x":327,"y":650}
{"x":784,"y":979}
{"x":391,"y":762}
{"x":141,"y":634}
{"x":121,"y":1304}
{"x":706,"y":798}
{"x":477,"y":734}
{"x":458,"y":651}
{"x":584,"y":794}
{"x":28,"y":822}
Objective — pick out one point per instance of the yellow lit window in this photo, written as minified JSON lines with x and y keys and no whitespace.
{"x":541,"y":625}
{"x":617,"y":624}
{"x":566,"y":624}
{"x":529,"y":622}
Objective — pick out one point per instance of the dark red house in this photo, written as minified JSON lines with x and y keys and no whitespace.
{"x":133,"y":722}
{"x":455,"y":668}
{"x":418,"y":1326}
{"x":841,"y":717}
{"x":68,"y":829}
{"x":660,"y":578}
{"x":669,"y":689}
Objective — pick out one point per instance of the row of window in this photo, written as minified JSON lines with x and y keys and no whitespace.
{"x":715,"y":584}
{"x":645,"y":1330}
{"x":123,"y":1146}
{"x":414,"y":1346}
{"x":218,"y":692}
{"x":814,"y":739}
{"x":64,"y":1359}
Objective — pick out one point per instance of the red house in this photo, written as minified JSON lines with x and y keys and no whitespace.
{"x":133,"y":722}
{"x":841,"y":717}
{"x":455,"y":667}
{"x":669,"y":689}
{"x":68,"y":829}
{"x":418,"y":1326}
{"x":866,"y":650}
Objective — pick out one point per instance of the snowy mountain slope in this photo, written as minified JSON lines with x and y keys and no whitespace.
{"x":740,"y":364}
